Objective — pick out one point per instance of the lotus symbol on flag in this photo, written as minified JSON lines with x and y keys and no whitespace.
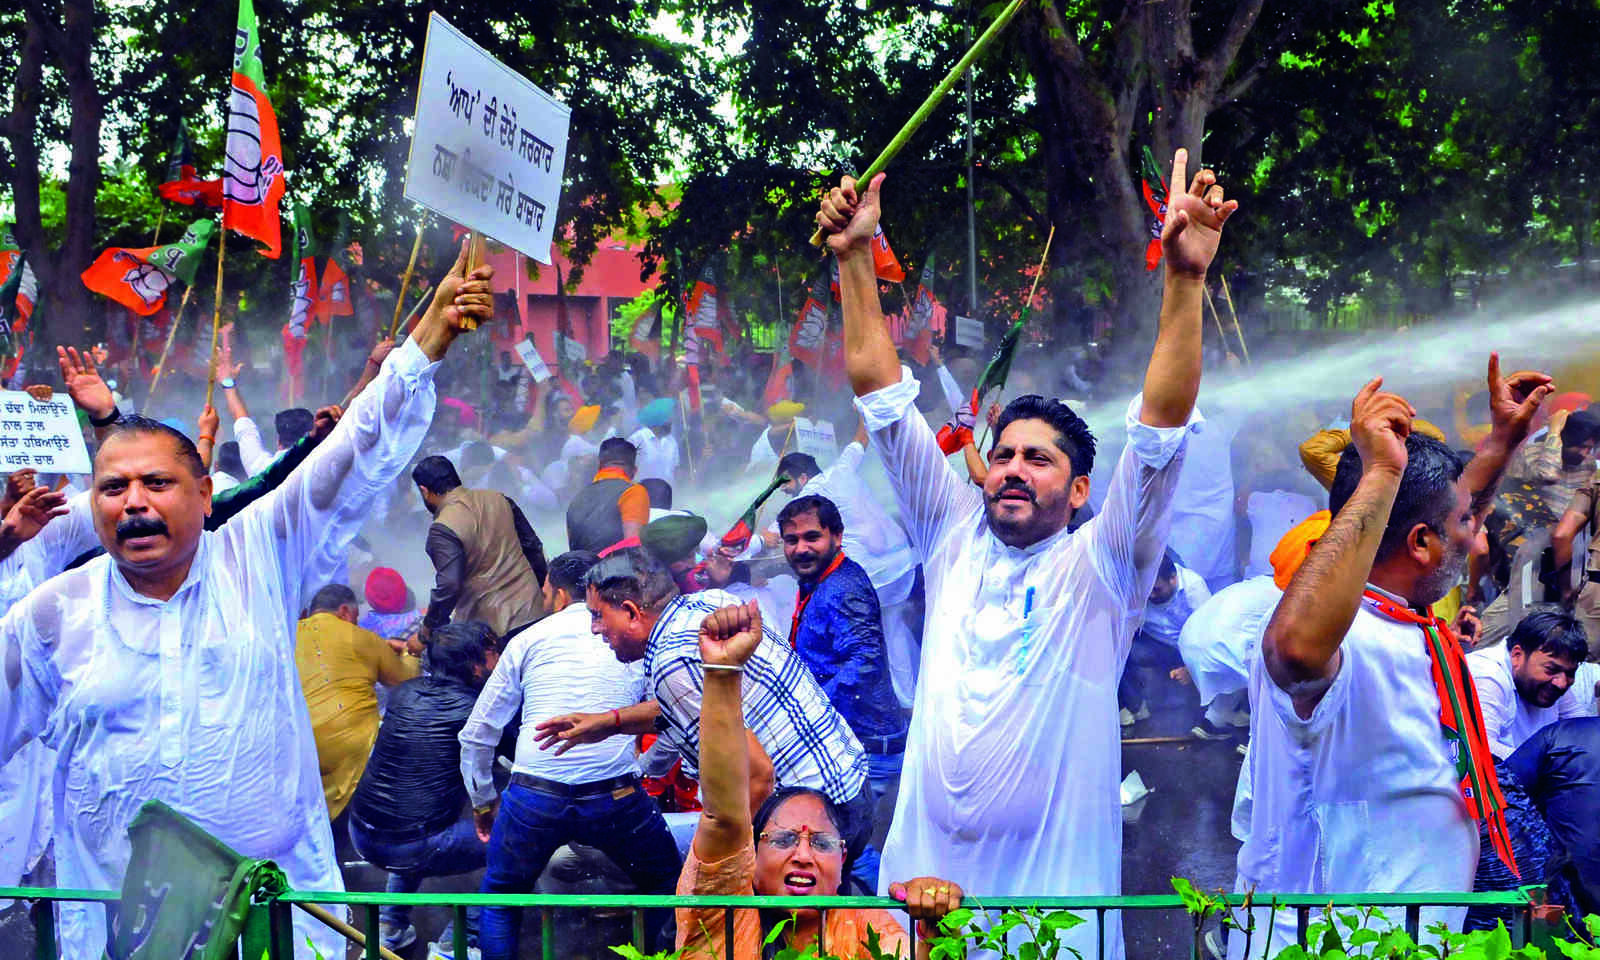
{"x":705,"y":316}
{"x":812,"y":326}
{"x":247,"y":179}
{"x":148,"y":281}
{"x":921,"y":314}
{"x":302,"y":305}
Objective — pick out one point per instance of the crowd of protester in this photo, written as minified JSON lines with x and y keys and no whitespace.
{"x":514,"y":628}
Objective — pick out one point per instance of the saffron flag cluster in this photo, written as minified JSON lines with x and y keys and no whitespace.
{"x":183,"y":185}
{"x":19,"y":291}
{"x":138,"y":278}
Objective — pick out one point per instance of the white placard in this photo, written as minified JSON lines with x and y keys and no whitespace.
{"x":532,"y":360}
{"x":573,"y":350}
{"x":44,"y":436}
{"x":816,"y":438}
{"x":487,"y":147}
{"x":969,"y":332}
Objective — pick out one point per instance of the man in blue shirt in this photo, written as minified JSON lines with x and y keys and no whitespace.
{"x":838,"y":632}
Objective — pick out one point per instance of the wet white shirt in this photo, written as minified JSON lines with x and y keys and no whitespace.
{"x":1013,"y":759}
{"x":1507,"y":718}
{"x":554,"y":667}
{"x":252,"y":452}
{"x":195,"y":701}
{"x":658,"y":456}
{"x":1164,"y":621}
{"x":1362,"y":796}
{"x":1203,"y":527}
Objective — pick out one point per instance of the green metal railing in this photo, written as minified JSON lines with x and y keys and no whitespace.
{"x":271,"y":933}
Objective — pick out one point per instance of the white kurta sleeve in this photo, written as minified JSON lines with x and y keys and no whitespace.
{"x":252,"y":452}
{"x":1129,"y":534}
{"x":311,"y":519}
{"x":28,"y":689}
{"x":952,"y":390}
{"x":931,"y":496}
{"x":1497,"y":701}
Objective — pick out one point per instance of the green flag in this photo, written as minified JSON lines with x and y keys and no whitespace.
{"x":182,"y":258}
{"x":999,"y":368}
{"x":738,"y":537}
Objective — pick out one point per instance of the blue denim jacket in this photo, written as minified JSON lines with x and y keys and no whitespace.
{"x":840,"y":637}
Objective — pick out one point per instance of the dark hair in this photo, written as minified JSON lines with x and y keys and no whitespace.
{"x":1169,"y":566}
{"x":795,"y":464}
{"x":827,"y":514}
{"x":1073,"y":436}
{"x":436,"y":474}
{"x":332,"y":597}
{"x":617,"y":452}
{"x":228,"y":461}
{"x":292,"y":424}
{"x":1427,"y":493}
{"x":476,"y":454}
{"x":568,"y":570}
{"x":455,"y":650}
{"x":783,"y":795}
{"x":1582,"y":425}
{"x":660,"y":492}
{"x":132,"y":424}
{"x":632,"y":574}
{"x":1555,"y":632}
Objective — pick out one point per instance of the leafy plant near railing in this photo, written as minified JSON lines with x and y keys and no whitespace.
{"x":1364,"y":934}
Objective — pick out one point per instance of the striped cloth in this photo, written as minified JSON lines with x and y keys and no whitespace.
{"x":809,"y":743}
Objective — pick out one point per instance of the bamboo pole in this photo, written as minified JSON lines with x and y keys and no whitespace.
{"x":345,"y":930}
{"x":155,"y":238}
{"x":932,"y":102}
{"x":477,"y":253}
{"x":1236,"y":328}
{"x":1216,"y":318}
{"x":216,"y":318}
{"x":405,"y":283}
{"x":172,"y":332}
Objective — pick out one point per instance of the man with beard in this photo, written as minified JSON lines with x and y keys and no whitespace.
{"x":165,"y":669}
{"x":1028,"y":620}
{"x":1522,"y":683}
{"x":838,"y":631}
{"x":1368,"y":758}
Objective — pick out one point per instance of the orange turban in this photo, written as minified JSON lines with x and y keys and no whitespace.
{"x":584,"y":420}
{"x":1292,"y":549}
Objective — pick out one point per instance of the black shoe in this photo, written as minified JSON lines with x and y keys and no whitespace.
{"x":1206,"y":730}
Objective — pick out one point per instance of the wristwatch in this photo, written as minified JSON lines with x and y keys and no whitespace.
{"x":225,"y":383}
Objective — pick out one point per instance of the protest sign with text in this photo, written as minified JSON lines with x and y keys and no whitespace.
{"x":44,"y":436}
{"x":969,"y":332}
{"x":533,"y":361}
{"x":487,"y":146}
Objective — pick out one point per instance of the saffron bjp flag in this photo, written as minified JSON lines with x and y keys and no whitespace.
{"x":304,"y":291}
{"x":183,"y":185}
{"x":807,"y":339}
{"x":704,"y":309}
{"x":138,"y":278}
{"x":333,"y":299}
{"x":253,"y":182}
{"x":884,"y":263}
{"x":19,"y":291}
{"x":1155,"y":197}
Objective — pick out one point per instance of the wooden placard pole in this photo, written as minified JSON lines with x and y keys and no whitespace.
{"x":172,"y":332}
{"x":216,"y":318}
{"x":405,"y":283}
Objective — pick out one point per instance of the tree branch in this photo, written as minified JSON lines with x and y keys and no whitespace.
{"x":1009,"y":186}
{"x":54,"y":36}
{"x":1269,"y":51}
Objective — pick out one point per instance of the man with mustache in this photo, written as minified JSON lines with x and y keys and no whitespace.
{"x":165,"y":669}
{"x":1369,"y":761}
{"x":1013,"y":758}
{"x":1522,"y":682}
{"x":838,"y":631}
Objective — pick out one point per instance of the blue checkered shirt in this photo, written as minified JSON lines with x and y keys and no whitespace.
{"x":809,"y":743}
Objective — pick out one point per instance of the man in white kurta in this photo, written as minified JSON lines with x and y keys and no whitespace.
{"x":1013,"y":758}
{"x":1509,"y":716}
{"x":194,"y":700}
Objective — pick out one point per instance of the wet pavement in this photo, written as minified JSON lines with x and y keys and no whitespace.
{"x":1181,"y":830}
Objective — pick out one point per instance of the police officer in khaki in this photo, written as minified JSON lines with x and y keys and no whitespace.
{"x":1578,"y":535}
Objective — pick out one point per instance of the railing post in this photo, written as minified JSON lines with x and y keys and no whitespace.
{"x":727,"y":933}
{"x":638,"y":929}
{"x":460,"y":928}
{"x":1414,"y":923}
{"x":547,"y":932}
{"x":1302,"y":919}
{"x":373,"y":942}
{"x":822,"y":931}
{"x":44,"y":929}
{"x":281,"y":933}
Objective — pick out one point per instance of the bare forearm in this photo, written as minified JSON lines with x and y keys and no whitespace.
{"x":433,"y":335}
{"x":236,"y":408}
{"x":1172,"y":380}
{"x":977,"y":470}
{"x":1303,"y":637}
{"x":639,"y":718}
{"x":368,"y":373}
{"x":1482,"y":474}
{"x":724,"y":767}
{"x":869,"y":355}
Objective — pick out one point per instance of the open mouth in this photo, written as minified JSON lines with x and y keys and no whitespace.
{"x":799,"y":883}
{"x":1020,"y":496}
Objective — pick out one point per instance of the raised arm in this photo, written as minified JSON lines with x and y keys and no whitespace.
{"x":1300,"y":649}
{"x":369,"y":372}
{"x":87,"y":389}
{"x":1513,"y":401}
{"x":849,"y":219}
{"x":728,"y":638}
{"x":1188,"y":243}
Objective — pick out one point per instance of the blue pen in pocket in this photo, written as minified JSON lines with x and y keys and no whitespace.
{"x":1027,"y":630}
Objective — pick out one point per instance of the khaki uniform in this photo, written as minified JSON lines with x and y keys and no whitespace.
{"x":1587,"y":608}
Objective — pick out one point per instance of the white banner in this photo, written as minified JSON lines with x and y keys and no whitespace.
{"x":44,"y":436}
{"x":487,"y":146}
{"x":531,"y":359}
{"x":816,"y":438}
{"x":969,"y":332}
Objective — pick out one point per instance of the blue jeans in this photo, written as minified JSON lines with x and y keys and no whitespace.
{"x":530,"y":826}
{"x":455,"y":849}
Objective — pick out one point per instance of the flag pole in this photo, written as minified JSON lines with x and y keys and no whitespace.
{"x":1236,"y":328}
{"x":932,"y":102}
{"x":1216,"y":318}
{"x":1044,"y":260}
{"x":172,"y":332}
{"x":156,"y":237}
{"x":405,"y":282}
{"x":216,"y":318}
{"x":476,"y":254}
